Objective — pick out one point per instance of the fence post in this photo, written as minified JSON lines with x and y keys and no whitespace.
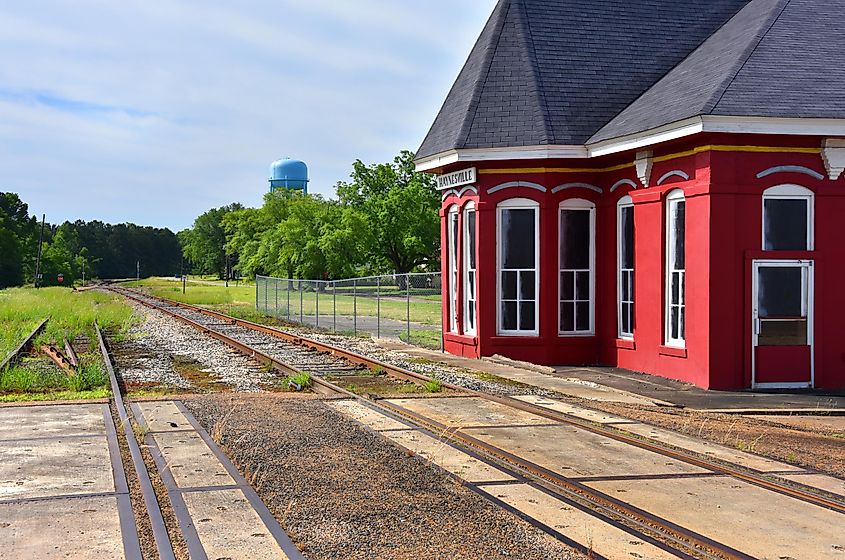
{"x":301,"y":293}
{"x":256,"y":292}
{"x":355,"y":307}
{"x":276,"y":290}
{"x":266,"y":288}
{"x":317,"y":293}
{"x":334,"y":306}
{"x":378,"y":307}
{"x":288,"y":283}
{"x":408,"y":306}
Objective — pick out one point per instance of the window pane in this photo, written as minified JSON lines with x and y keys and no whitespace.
{"x":626,"y":319}
{"x":630,"y":277}
{"x":526,"y":317}
{"x":567,"y":316}
{"x":517,"y":241}
{"x":575,"y":239}
{"x":470,"y":285}
{"x":631,"y":318}
{"x":509,"y":285}
{"x":567,"y":286}
{"x":676,"y":288}
{"x":779,"y":291}
{"x":471,"y":316}
{"x":582,"y":316}
{"x":509,"y":315}
{"x":470,"y":217}
{"x":582,"y":286}
{"x":785,"y":225}
{"x":674,"y":320}
{"x":783,"y":333}
{"x":526,"y":285}
{"x":626,"y":227}
{"x":679,"y":222}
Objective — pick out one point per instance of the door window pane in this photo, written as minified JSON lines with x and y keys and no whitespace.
{"x":779,"y":291}
{"x":785,"y":224}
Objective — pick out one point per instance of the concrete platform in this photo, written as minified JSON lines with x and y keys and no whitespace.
{"x":832,"y":424}
{"x":470,"y":412}
{"x":63,"y":491}
{"x":220,"y":515}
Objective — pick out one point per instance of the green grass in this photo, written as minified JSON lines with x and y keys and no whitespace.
{"x":302,"y":380}
{"x":424,"y":309}
{"x":23,"y":379}
{"x":433,"y":386}
{"x":56,"y":396}
{"x":425,"y":338}
{"x":72,"y":314}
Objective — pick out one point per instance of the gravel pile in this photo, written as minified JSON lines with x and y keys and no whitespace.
{"x":148,"y":355}
{"x":342,"y":492}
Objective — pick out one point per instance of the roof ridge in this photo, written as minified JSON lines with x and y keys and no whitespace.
{"x":478,"y":87}
{"x":548,"y":129}
{"x":720,"y":92}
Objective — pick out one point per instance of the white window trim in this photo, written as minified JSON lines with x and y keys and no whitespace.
{"x":671,"y":199}
{"x":790,"y":192}
{"x":579,"y":204}
{"x":469,"y":207}
{"x":624,"y":202}
{"x":452,"y":250}
{"x":510,"y":204}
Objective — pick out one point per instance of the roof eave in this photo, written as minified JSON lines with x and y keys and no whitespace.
{"x":442,"y":159}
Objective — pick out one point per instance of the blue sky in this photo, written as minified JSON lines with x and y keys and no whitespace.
{"x":153,"y":111}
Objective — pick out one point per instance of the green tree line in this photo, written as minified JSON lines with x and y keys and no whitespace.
{"x":100,"y":250}
{"x":384,"y":220}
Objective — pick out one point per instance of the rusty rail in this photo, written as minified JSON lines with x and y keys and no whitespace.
{"x":13,"y":356}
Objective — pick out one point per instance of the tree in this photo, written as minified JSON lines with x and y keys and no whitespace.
{"x":205,"y":245}
{"x":400,"y":207}
{"x":17,"y":230}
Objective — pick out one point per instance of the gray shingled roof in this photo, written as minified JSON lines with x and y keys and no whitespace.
{"x":556,"y":71}
{"x":775,"y":58}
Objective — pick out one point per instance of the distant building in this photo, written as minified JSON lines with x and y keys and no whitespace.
{"x":654,"y":185}
{"x":289,"y":174}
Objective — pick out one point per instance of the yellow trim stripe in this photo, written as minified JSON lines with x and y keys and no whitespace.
{"x":698,"y":150}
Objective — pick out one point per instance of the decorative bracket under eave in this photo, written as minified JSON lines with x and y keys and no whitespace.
{"x":833,"y":154}
{"x":644,"y":162}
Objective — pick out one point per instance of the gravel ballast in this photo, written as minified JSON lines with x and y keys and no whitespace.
{"x":341,"y":491}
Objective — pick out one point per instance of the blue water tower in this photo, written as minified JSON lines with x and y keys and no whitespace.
{"x":289,"y":174}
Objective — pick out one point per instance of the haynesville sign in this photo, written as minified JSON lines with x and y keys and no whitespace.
{"x":456,"y":179}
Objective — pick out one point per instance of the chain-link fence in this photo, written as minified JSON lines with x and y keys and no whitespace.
{"x":407,"y":306}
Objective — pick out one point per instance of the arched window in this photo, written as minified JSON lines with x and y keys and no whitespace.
{"x":469,"y":266}
{"x":452,"y":239}
{"x":675,"y":311}
{"x":518,"y":264}
{"x":625,"y":264}
{"x":788,"y":218}
{"x":576,"y":241}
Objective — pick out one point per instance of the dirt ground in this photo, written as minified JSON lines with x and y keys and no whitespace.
{"x":341,"y":491}
{"x":818,"y":449}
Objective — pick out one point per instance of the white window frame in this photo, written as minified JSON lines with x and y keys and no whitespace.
{"x":518,"y":204}
{"x":624,"y":202}
{"x":790,"y":192}
{"x":672,"y":200}
{"x":579,"y":204}
{"x":452,"y":250}
{"x":470,"y":303}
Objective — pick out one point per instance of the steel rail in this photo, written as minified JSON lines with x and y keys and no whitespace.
{"x":16,"y":353}
{"x":162,"y":540}
{"x":687,"y":543}
{"x":746,"y":475}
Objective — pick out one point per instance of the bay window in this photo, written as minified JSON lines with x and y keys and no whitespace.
{"x":469,"y":262}
{"x":452,"y":239}
{"x":675,"y":311}
{"x":625,"y":279}
{"x":577,"y":264}
{"x":518,"y":263}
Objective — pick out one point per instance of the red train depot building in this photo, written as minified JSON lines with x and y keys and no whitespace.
{"x":658,"y":188}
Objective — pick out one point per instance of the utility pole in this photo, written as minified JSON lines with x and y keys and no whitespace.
{"x":184,"y":278}
{"x":83,"y":274}
{"x":137,"y":271}
{"x":227,"y":271}
{"x":38,"y":258}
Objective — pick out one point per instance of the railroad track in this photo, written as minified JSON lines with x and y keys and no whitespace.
{"x":291,"y":354}
{"x":15,"y":354}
